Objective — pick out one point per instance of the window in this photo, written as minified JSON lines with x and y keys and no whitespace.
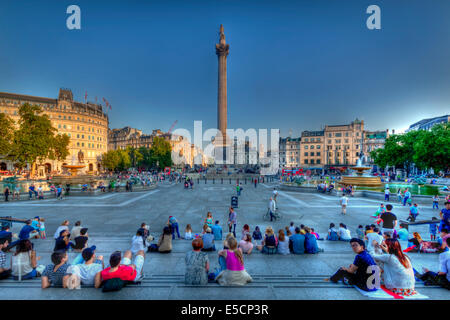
{"x":306,"y":161}
{"x":306,"y":140}
{"x":312,"y":161}
{"x":317,"y":153}
{"x":346,"y":140}
{"x":78,"y":144}
{"x":346,"y":134}
{"x":312,"y":153}
{"x":338,"y":140}
{"x":312,"y":147}
{"x":338,"y":134}
{"x":329,"y":141}
{"x":318,"y":147}
{"x":306,"y":147}
{"x":82,"y":144}
{"x":318,"y":161}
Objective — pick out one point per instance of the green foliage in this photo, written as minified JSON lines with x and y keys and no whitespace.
{"x":6,"y":134}
{"x":135,"y":155}
{"x":426,"y":149}
{"x":111,"y":159}
{"x":36,"y":140}
{"x":161,"y":152}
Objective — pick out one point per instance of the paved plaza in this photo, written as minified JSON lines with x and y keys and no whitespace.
{"x":113,"y":218}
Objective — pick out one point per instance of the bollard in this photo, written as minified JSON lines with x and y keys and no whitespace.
{"x":198,"y":180}
{"x":205,"y":180}
{"x":245,"y":180}
{"x":221,"y":179}
{"x":230,"y":180}
{"x":213,"y":181}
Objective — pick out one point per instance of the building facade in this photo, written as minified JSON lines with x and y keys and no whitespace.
{"x":373,"y":140}
{"x":427,"y":124}
{"x":183,"y":152}
{"x":85,"y":123}
{"x":292,"y":152}
{"x":343,"y":144}
{"x":312,"y":153}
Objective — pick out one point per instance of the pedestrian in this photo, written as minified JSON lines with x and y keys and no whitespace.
{"x":271,"y":208}
{"x":173,"y":224}
{"x":386,"y":194}
{"x":436,"y":201}
{"x":389,"y":220}
{"x":406,"y":197}
{"x":6,"y":192}
{"x":344,"y":202}
{"x":232,"y":220}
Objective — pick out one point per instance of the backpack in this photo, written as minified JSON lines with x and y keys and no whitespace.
{"x":114,"y":284}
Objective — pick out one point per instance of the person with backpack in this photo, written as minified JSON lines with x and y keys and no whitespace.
{"x":121,"y":271}
{"x":332,"y":233}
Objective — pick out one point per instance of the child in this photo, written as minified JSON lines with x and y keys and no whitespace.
{"x":245,"y":230}
{"x":257,"y":236}
{"x":188,"y":232}
{"x":433,"y":228}
{"x":42,"y":228}
{"x":360,"y":232}
{"x":413,"y":213}
{"x":436,"y":201}
{"x":316,"y":234}
{"x":332,"y":233}
{"x":379,"y":212}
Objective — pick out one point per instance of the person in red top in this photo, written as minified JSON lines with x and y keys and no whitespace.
{"x":122,"y":268}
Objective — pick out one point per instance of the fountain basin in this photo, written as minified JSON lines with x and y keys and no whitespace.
{"x":361,"y":181}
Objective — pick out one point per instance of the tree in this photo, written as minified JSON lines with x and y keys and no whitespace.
{"x":432,"y":150}
{"x":6,"y":134}
{"x":146,"y":161}
{"x":124,"y":162}
{"x":111,"y":159}
{"x":36,"y":138}
{"x":161,"y":152}
{"x":135,"y":155}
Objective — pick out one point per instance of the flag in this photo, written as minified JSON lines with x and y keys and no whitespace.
{"x":85,"y":97}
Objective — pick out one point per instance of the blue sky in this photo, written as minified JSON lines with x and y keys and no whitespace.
{"x":292,"y":64}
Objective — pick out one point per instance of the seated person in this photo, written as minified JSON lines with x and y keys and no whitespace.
{"x":139,"y":242}
{"x":344,"y":233}
{"x":4,"y":271}
{"x":81,"y":240}
{"x":24,"y":261}
{"x":311,"y":242}
{"x":416,"y":241}
{"x":122,"y":268}
{"x":56,"y":274}
{"x":257,"y":235}
{"x":197,"y":265}
{"x":246,"y":244}
{"x":442,"y":278}
{"x":413,"y":213}
{"x":403,"y":233}
{"x":441,"y":240}
{"x":62,"y":243}
{"x":164,"y":242}
{"x":332,"y":233}
{"x":91,"y":266}
{"x":357,"y":273}
{"x":297,"y":242}
{"x":371,"y":237}
{"x":270,"y":242}
{"x":217,"y":231}
{"x":208,"y":241}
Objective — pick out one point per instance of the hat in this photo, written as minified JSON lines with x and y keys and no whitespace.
{"x":37,"y":217}
{"x":88,"y":253}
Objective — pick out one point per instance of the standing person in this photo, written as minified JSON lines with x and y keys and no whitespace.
{"x":357,"y":273}
{"x":272,"y":208}
{"x":344,"y":202}
{"x":389,"y":220}
{"x":232,"y":220}
{"x":42,"y":228}
{"x":6,"y":192}
{"x":238,"y":189}
{"x":386,"y":194}
{"x":406,"y":197}
{"x":398,"y":273}
{"x":445,"y":217}
{"x":255,"y":181}
{"x":59,"y":191}
{"x":399,"y":195}
{"x":16,"y":194}
{"x":433,"y":229}
{"x":436,"y":201}
{"x":173,"y":224}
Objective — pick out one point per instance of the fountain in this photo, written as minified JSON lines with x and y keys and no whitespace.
{"x":74,"y":177}
{"x":361,"y":179}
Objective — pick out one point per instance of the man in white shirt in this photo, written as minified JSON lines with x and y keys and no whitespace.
{"x":371,"y":237}
{"x":91,"y":266}
{"x":344,"y":202}
{"x":272,"y":208}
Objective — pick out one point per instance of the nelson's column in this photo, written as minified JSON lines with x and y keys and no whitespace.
{"x":222,"y":49}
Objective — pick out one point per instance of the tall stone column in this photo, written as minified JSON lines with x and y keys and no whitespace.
{"x":222,"y":50}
